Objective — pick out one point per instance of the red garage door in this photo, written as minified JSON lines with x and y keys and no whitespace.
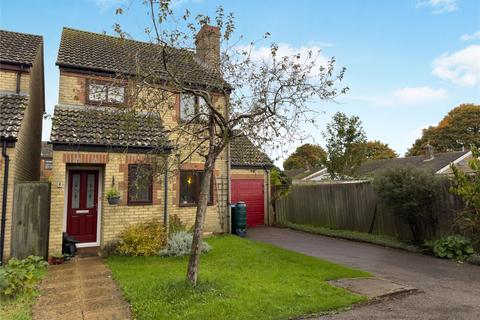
{"x":250,"y":191}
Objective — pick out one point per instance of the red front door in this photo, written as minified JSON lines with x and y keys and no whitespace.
{"x":82,"y":205}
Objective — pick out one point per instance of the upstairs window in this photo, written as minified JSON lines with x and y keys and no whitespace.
{"x":140,"y":184}
{"x":190,"y":182}
{"x":102,"y":92}
{"x":191,"y":106}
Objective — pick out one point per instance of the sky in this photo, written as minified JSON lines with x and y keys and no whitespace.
{"x":408,"y":61}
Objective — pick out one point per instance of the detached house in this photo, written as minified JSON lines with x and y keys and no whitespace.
{"x":98,"y":145}
{"x":21,"y":110}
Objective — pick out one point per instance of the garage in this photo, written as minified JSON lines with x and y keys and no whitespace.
{"x":250,"y":191}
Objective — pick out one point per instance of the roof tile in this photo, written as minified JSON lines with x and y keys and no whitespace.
{"x":245,"y":154}
{"x":12,"y":108}
{"x":19,"y":48}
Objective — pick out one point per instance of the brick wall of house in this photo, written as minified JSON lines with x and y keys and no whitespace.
{"x":8,"y":224}
{"x":28,"y":146}
{"x":114,"y":219}
{"x":8,"y":81}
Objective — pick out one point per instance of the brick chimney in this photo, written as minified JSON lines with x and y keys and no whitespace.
{"x":207,"y":42}
{"x":429,"y":152}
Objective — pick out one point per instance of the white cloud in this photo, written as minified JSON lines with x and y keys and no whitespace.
{"x":417,"y":95}
{"x":473,"y":36}
{"x":439,"y":6}
{"x":461,"y":67}
{"x":285,"y":49}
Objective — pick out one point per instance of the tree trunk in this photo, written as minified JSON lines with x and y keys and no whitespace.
{"x":193,"y":264}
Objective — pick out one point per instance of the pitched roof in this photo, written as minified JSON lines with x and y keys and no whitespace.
{"x":438,"y":162}
{"x":100,"y":52}
{"x":12,"y":108}
{"x":245,"y":154}
{"x":19,"y":48}
{"x":106,"y":126}
{"x":47,"y":150}
{"x":299,"y":174}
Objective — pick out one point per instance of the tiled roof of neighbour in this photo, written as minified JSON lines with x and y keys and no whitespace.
{"x":105,"y":126}
{"x":47,"y":150}
{"x":438,"y":162}
{"x":18,"y":48}
{"x":299,"y":174}
{"x":12,"y":108}
{"x":244,"y":153}
{"x":99,"y":52}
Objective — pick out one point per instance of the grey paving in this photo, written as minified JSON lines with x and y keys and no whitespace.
{"x":448,"y":290}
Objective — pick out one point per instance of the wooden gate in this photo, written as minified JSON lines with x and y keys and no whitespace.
{"x":30,"y":219}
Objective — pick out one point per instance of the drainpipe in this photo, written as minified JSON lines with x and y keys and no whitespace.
{"x":229,"y":180}
{"x":165,"y":195}
{"x":4,"y":198}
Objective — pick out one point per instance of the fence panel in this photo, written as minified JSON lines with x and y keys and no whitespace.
{"x":354,"y":206}
{"x":30,"y":220}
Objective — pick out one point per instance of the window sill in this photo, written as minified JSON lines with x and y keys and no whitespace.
{"x":186,"y":205}
{"x":139,"y":204}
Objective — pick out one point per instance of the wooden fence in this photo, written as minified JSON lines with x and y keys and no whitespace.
{"x":354,"y":206}
{"x":30,"y":221}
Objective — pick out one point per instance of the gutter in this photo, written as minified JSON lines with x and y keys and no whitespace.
{"x":4,"y":198}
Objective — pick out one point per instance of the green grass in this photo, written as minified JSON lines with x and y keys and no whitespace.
{"x":20,"y":307}
{"x":382,"y":240}
{"x":239,"y":279}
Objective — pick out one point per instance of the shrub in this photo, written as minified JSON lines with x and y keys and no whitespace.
{"x":142,"y":239}
{"x":467,"y":186}
{"x":175,"y":224}
{"x":453,"y":247}
{"x":180,"y":244}
{"x":409,"y":192}
{"x":19,"y":276}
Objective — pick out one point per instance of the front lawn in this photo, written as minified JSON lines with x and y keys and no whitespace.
{"x":239,"y":279}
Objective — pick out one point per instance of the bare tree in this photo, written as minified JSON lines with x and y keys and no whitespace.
{"x":268,"y":100}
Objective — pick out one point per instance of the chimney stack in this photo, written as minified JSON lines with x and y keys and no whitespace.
{"x":207,"y":42}
{"x":429,"y":152}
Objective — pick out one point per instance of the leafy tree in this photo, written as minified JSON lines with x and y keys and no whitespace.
{"x":409,"y":192}
{"x":459,"y":128}
{"x":278,"y":177}
{"x":378,"y":150}
{"x":345,"y":145}
{"x":268,"y":99}
{"x":467,"y":186}
{"x":307,"y":155}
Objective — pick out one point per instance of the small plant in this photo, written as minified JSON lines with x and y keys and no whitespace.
{"x":142,"y":239}
{"x":19,"y":276}
{"x":175,"y":224}
{"x":453,"y":247}
{"x":180,"y":244}
{"x":113,"y":193}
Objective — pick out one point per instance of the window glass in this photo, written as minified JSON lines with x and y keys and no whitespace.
{"x":190,"y":187}
{"x":139,"y":183}
{"x":187,"y":106}
{"x":116,"y":94}
{"x":75,"y":191}
{"x":48,"y":164}
{"x":97,"y":92}
{"x":90,"y":191}
{"x":203,"y":108}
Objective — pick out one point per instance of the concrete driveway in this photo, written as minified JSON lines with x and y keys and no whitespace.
{"x":449,"y":290}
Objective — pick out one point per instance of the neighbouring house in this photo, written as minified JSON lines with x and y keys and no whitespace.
{"x":99,"y":146}
{"x":303,"y":175}
{"x":22,"y":104}
{"x":438,"y":163}
{"x":46,"y":162}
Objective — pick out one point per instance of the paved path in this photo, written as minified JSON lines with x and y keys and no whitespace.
{"x":449,"y":290}
{"x":80,"y":289}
